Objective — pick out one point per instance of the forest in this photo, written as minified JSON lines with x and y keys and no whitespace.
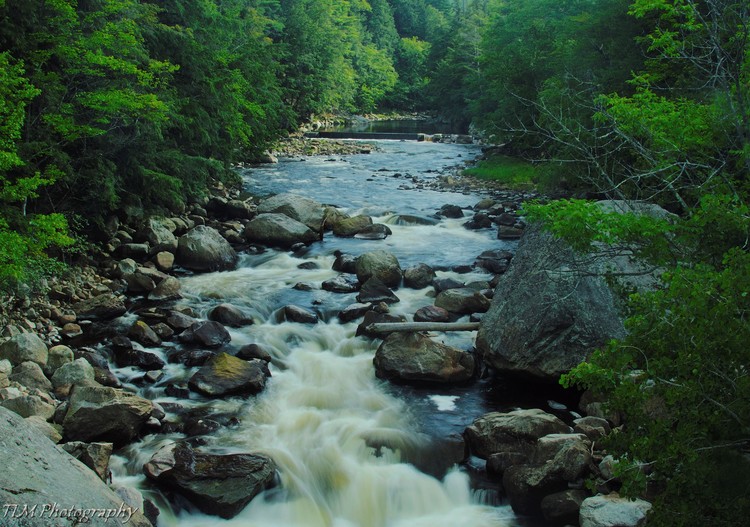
{"x":110,"y":104}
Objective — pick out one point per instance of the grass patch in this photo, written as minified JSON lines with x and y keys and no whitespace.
{"x":511,"y":172}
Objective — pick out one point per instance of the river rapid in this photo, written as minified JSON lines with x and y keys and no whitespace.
{"x":351,"y":450}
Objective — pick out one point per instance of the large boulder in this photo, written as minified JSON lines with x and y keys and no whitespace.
{"x":218,"y":484}
{"x":304,"y":210}
{"x":207,"y":333}
{"x":546,"y":316}
{"x":462,"y":301}
{"x":415,"y":358}
{"x":224,"y":374}
{"x":278,"y":230}
{"x":348,"y":227}
{"x":379,"y":264}
{"x":159,"y":233}
{"x":100,"y":413}
{"x":101,"y":307}
{"x":204,"y":249}
{"x":24,"y":347}
{"x":37,"y":473}
{"x":419,"y":276}
{"x":613,"y":511}
{"x":229,"y":315}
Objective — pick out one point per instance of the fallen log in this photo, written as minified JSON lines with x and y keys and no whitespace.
{"x":390,"y":327}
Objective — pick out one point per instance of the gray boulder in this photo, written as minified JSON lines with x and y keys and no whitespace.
{"x":100,"y":413}
{"x":419,"y":276}
{"x":24,"y":347}
{"x":375,"y":291}
{"x":167,"y":289}
{"x":59,"y":355}
{"x":415,"y":358}
{"x":207,"y":333}
{"x":218,"y":484}
{"x":38,"y":473}
{"x":29,"y":405}
{"x":30,"y":375}
{"x":102,"y":307}
{"x":77,"y":372}
{"x":304,"y":210}
{"x":349,"y":226}
{"x":278,"y":230}
{"x":379,"y":264}
{"x":229,"y":315}
{"x":224,"y":374}
{"x":613,"y":511}
{"x":159,"y":233}
{"x":204,"y":249}
{"x":376,"y":231}
{"x":463,"y":301}
{"x":93,"y":455}
{"x":545,"y":316}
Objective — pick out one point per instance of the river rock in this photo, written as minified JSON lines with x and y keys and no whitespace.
{"x":278,"y":230}
{"x":204,"y":249}
{"x":376,"y":231}
{"x":44,"y":428}
{"x":432,"y":314}
{"x":379,"y":264}
{"x":179,"y":321}
{"x":229,"y":315}
{"x":374,"y":291}
{"x":419,"y":276}
{"x":304,"y":210}
{"x":354,"y":311}
{"x":30,"y":375}
{"x":516,"y":431}
{"x":341,"y":284}
{"x":462,"y":301}
{"x":253,"y":351}
{"x":415,"y":358}
{"x":208,"y":333}
{"x":38,"y":473}
{"x":524,"y":335}
{"x":164,"y":261}
{"x":451,"y":211}
{"x":101,"y":307}
{"x":562,"y":508}
{"x":77,"y":372}
{"x":29,"y":405}
{"x":495,"y":261}
{"x":299,"y":314}
{"x":613,"y":511}
{"x":227,"y":375}
{"x":444,"y":284}
{"x":167,"y":289}
{"x":139,"y":282}
{"x":218,"y":484}
{"x":93,"y":455}
{"x":348,"y":227}
{"x":233,"y":208}
{"x":159,"y":233}
{"x":143,"y":334}
{"x":126,"y":355}
{"x":372,"y":317}
{"x":105,"y":414}
{"x":344,"y":263}
{"x":24,"y":347}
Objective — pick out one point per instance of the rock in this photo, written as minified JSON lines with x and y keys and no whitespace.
{"x":516,"y":431}
{"x":191,"y":357}
{"x":71,"y":330}
{"x":38,"y":473}
{"x":451,"y":211}
{"x":143,"y":334}
{"x":379,"y":264}
{"x":376,"y":231}
{"x":443,"y":284}
{"x":509,"y":233}
{"x":278,"y":230}
{"x":179,"y":321}
{"x":233,"y":208}
{"x":77,"y":372}
{"x":48,"y":430}
{"x":224,"y":374}
{"x":524,"y":335}
{"x":415,"y":358}
{"x":494,"y":261}
{"x":6,"y":366}
{"x":126,"y":355}
{"x":253,"y":351}
{"x":218,"y":484}
{"x":478,"y":221}
{"x":137,"y":251}
{"x":30,"y":375}
{"x":462,"y":301}
{"x":167,"y":289}
{"x":204,"y":249}
{"x":139,"y":282}
{"x":299,"y":208}
{"x":93,"y":455}
{"x":30,"y":405}
{"x":345,"y":263}
{"x":341,"y":284}
{"x":419,"y":276}
{"x":593,"y":427}
{"x":24,"y":347}
{"x":563,"y":507}
{"x":372,"y":317}
{"x":229,"y":315}
{"x":158,"y":232}
{"x":298,"y":314}
{"x":348,"y":227}
{"x":613,"y":511}
{"x":432,"y":314}
{"x":164,"y":260}
{"x":102,"y":307}
{"x":105,"y":414}
{"x":210,"y":334}
{"x":354,"y":311}
{"x":375,"y":291}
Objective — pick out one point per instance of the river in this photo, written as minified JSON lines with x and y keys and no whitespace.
{"x":352,"y":450}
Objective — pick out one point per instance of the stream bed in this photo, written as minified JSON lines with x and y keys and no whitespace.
{"x":351,"y":450}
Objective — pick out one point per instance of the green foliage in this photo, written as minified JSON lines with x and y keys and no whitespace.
{"x":512,"y":172}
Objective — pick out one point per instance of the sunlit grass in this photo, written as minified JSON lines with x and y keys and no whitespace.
{"x":511,"y":172}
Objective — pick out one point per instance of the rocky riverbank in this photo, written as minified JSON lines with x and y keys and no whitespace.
{"x":57,"y":349}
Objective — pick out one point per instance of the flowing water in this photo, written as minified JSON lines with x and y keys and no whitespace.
{"x":352,"y":451}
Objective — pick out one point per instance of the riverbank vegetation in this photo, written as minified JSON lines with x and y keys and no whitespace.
{"x":118,"y":106}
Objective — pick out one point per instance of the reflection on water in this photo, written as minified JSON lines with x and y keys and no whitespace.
{"x":347,"y":445}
